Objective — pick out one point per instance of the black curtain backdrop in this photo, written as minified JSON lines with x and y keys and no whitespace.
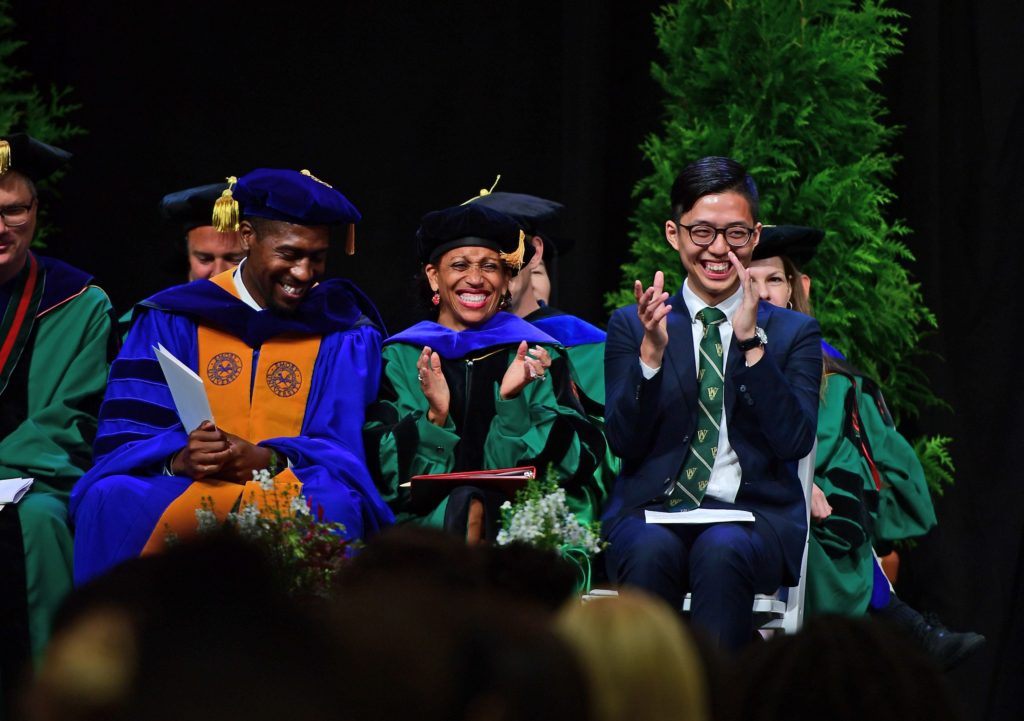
{"x":408,"y":107}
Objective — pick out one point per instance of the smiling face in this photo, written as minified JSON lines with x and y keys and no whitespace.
{"x":284,"y":263}
{"x":15,"y":191}
{"x":708,"y":270}
{"x":770,"y":281}
{"x":471,"y":282}
{"x":211,"y":252}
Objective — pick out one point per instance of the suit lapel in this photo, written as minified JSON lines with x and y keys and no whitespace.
{"x":679,"y":356}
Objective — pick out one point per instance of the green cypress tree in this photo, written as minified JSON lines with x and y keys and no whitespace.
{"x":25,"y":108}
{"x":791,"y":90}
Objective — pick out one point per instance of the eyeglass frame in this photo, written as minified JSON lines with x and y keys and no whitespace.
{"x":718,"y":231}
{"x":4,"y":210}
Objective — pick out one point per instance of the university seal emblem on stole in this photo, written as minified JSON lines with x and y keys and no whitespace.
{"x":224,"y":368}
{"x":284,"y":379}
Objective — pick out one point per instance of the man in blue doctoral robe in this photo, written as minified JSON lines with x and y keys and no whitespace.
{"x":288,"y":365}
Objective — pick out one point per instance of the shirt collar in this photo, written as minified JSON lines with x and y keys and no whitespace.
{"x":694,"y":304}
{"x":243,"y":293}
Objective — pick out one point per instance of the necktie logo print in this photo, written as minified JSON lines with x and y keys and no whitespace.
{"x":689,"y":489}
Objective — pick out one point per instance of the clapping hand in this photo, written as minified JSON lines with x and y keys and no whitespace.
{"x":652,"y":309}
{"x":529,"y":365}
{"x":434,"y":386}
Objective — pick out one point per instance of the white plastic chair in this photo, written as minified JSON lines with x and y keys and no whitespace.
{"x":783,"y":610}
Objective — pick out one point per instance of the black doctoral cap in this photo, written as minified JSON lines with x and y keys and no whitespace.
{"x":796,"y":242}
{"x":32,"y":158}
{"x":538,"y":216}
{"x":471,"y":225}
{"x":192,"y":207}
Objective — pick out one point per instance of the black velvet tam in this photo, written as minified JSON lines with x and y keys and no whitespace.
{"x":33,"y":158}
{"x":466,"y":225}
{"x":538,"y":216}
{"x":193,"y":207}
{"x":793,"y":241}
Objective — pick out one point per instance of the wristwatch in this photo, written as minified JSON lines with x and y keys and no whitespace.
{"x":759,"y":338}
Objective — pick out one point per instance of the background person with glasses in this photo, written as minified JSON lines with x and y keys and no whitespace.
{"x":712,"y":397}
{"x":55,"y":337}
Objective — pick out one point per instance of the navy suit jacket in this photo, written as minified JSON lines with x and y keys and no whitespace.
{"x":771,"y":410}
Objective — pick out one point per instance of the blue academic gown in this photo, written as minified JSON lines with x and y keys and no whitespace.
{"x":117,"y":504}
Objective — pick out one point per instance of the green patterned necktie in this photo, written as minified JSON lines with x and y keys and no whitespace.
{"x":692,"y":483}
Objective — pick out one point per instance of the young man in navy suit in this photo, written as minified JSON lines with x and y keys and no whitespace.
{"x":681,"y":448}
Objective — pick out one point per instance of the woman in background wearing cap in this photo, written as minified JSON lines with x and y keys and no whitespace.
{"x":869,"y":486}
{"x":477,"y":388}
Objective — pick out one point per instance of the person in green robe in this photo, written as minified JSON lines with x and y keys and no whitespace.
{"x":477,"y":388}
{"x":869,"y":486}
{"x":531,"y":294}
{"x":55,"y":346}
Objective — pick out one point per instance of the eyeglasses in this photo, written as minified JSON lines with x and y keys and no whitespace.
{"x":16,"y":215}
{"x":704,"y":235}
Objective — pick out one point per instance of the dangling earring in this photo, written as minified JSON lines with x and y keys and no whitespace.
{"x":436,"y":298}
{"x":789,"y":304}
{"x":506,"y":301}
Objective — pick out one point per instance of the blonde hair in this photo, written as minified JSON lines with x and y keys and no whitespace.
{"x":640,"y":660}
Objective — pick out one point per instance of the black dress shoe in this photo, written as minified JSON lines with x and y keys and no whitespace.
{"x":948,"y":648}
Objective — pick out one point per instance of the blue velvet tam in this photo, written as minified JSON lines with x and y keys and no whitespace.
{"x":293,"y":197}
{"x":538,"y":216}
{"x":471,"y":225}
{"x":793,"y":241}
{"x":193,"y":207}
{"x":32,"y":158}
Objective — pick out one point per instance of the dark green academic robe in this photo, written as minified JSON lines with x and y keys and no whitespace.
{"x":876,"y":486}
{"x":544,"y":425}
{"x":48,"y":410}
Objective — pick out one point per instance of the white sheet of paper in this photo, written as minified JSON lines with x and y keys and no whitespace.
{"x":12,"y":489}
{"x":700,"y":515}
{"x":186,"y":390}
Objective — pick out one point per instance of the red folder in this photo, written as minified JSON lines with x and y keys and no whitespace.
{"x":438,"y":485}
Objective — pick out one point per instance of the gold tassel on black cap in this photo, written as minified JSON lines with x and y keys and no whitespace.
{"x":225,"y":210}
{"x":515,"y":258}
{"x":5,"y":157}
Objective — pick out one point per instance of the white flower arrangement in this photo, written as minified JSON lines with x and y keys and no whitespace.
{"x":541,"y":517}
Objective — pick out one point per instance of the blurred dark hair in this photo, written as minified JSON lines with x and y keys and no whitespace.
{"x":850,"y":669}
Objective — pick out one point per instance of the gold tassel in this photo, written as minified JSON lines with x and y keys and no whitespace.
{"x":225,"y":210}
{"x":5,"y":157}
{"x":350,"y":240}
{"x":484,"y":191}
{"x":515,"y":259}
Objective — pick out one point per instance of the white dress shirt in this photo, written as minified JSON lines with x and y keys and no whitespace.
{"x":725,"y":474}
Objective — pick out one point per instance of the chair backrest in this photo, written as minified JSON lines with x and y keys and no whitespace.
{"x":793,"y":617}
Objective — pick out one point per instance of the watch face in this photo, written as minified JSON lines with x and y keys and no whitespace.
{"x":759,"y":332}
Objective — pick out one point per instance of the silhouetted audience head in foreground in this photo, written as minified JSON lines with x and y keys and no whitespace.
{"x":415,"y":649}
{"x":641,"y":661}
{"x":422,"y":627}
{"x":201,"y":632}
{"x":844,"y":669}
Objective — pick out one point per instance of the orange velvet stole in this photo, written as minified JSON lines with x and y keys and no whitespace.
{"x":272,"y":405}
